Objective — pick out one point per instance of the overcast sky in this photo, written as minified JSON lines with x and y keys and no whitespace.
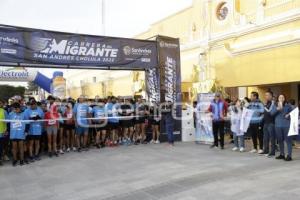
{"x":123,"y":18}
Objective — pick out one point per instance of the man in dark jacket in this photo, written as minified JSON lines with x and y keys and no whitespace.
{"x":268,"y":129}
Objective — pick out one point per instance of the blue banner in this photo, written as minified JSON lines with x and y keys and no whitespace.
{"x":33,"y":46}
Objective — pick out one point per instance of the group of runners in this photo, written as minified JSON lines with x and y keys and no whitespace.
{"x":57,"y":126}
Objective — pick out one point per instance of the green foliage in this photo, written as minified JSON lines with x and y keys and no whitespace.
{"x":32,"y":87}
{"x":8,"y":91}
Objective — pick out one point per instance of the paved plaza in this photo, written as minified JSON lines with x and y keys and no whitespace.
{"x":187,"y":171}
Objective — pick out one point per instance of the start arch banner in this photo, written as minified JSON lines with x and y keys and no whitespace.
{"x":41,"y":47}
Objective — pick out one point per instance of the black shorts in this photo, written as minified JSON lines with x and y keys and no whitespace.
{"x":69,"y":127}
{"x":140,"y":120}
{"x":127,"y":123}
{"x":101,"y":127}
{"x":33,"y":137}
{"x":112,"y":126}
{"x":17,"y":140}
{"x":154,"y":122}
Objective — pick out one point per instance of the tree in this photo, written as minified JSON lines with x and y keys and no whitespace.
{"x":32,"y":87}
{"x":8,"y":91}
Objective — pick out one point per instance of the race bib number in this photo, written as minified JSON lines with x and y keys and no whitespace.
{"x":17,"y":125}
{"x":52,"y":122}
{"x":82,"y":112}
{"x":37,"y":125}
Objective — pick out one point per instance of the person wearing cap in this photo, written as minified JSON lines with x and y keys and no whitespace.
{"x":35,"y":129}
{"x":17,"y":133}
{"x":218,"y":109}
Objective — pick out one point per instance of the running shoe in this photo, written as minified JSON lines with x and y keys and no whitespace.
{"x":14,"y":163}
{"x":21,"y":162}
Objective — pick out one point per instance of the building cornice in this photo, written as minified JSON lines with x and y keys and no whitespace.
{"x":245,"y":30}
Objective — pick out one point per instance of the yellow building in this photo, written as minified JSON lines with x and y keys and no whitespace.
{"x":242,"y":45}
{"x":104,"y":83}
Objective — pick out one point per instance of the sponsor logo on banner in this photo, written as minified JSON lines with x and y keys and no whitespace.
{"x":17,"y":75}
{"x":136,"y":51}
{"x":22,"y":45}
{"x":48,"y":48}
{"x":164,"y":44}
{"x":127,"y":50}
{"x":170,"y":79}
{"x":6,"y":42}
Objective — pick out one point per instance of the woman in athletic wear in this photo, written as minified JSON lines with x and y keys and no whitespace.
{"x":113,"y":119}
{"x":69,"y":127}
{"x":100,"y":122}
{"x":17,"y":133}
{"x":81,"y":112}
{"x":126,"y":112}
{"x":154,"y":119}
{"x":61,"y":110}
{"x":52,"y":117}
{"x":35,"y":130}
{"x":140,"y":121}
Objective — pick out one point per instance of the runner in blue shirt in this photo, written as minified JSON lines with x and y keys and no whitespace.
{"x":100,"y":124}
{"x":81,"y":112}
{"x":113,"y":120}
{"x":17,"y":133}
{"x":35,"y":129}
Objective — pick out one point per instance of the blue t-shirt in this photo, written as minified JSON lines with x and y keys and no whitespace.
{"x":112,"y":111}
{"x":17,"y":128}
{"x":35,"y":127}
{"x":98,"y":112}
{"x":81,"y":111}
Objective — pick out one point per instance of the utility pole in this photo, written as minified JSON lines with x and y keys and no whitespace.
{"x":103,"y":17}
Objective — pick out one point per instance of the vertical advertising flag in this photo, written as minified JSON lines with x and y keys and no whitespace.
{"x":294,"y":116}
{"x":204,"y":131}
{"x":152,"y":84}
{"x":170,"y":75}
